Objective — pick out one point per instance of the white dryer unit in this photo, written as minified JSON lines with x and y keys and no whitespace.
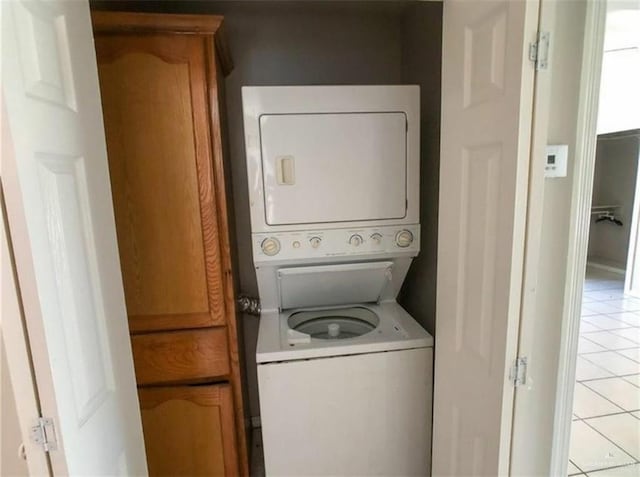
{"x":344,"y":373}
{"x":332,"y":156}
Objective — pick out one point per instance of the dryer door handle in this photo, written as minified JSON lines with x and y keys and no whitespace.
{"x":285,"y":170}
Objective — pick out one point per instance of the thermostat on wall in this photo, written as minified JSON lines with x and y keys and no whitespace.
{"x":556,"y":165}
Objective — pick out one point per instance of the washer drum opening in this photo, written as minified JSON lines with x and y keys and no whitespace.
{"x":334,"y":324}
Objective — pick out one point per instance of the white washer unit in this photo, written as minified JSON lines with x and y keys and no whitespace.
{"x":344,"y":372}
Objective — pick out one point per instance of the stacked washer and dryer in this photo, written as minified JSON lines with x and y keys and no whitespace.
{"x":344,"y":372}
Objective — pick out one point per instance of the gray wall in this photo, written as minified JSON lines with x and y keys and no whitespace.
{"x":422,"y":55}
{"x":309,"y":42}
{"x":614,"y":184}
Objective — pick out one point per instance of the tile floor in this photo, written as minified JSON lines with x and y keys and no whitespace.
{"x":605,"y":435}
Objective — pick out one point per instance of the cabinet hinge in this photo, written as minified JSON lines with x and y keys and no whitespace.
{"x":43,"y":434}
{"x":518,"y":373}
{"x":539,"y":51}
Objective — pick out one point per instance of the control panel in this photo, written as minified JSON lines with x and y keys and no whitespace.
{"x":310,"y":244}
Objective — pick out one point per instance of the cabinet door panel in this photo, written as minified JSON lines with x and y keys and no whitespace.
{"x":157,"y":127}
{"x":189,"y":431}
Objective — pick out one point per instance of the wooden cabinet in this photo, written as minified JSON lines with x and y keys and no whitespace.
{"x":189,"y":430}
{"x":159,"y":81}
{"x":155,"y":111}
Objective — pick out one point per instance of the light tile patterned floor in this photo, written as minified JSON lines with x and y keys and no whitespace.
{"x":605,"y":436}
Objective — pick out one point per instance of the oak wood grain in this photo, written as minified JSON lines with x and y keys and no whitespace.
{"x":156,"y":122}
{"x":110,"y":23}
{"x":167,"y":322}
{"x":180,"y":356}
{"x":118,"y":22}
{"x":222,"y":181}
{"x":189,"y":430}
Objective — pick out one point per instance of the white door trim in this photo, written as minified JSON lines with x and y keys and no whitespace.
{"x":13,"y":335}
{"x":631,"y":284}
{"x":579,"y":230}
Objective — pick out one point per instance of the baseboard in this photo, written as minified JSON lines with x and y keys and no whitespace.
{"x":255,"y":422}
{"x":608,"y":268}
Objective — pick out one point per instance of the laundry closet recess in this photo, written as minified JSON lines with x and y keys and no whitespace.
{"x":270,"y":43}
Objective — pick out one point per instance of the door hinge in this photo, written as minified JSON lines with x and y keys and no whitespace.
{"x":43,"y":434}
{"x":518,"y":374}
{"x":539,"y":51}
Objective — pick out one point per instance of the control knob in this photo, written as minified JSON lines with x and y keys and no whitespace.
{"x":356,"y":240}
{"x":315,"y":242}
{"x":270,"y":246}
{"x":376,"y":238}
{"x":404,"y":238}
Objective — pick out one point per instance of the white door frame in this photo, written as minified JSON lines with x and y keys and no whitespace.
{"x":632,"y":268}
{"x":579,"y":230}
{"x":13,"y":337}
{"x":13,"y":328}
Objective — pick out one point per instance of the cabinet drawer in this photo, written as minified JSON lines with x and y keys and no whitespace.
{"x":180,"y":355}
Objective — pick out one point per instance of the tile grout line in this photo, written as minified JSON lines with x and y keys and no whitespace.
{"x":607,"y":331}
{"x":617,"y":351}
{"x":613,"y":376}
{"x":621,"y":355}
{"x":592,"y":472}
{"x":604,"y":415}
{"x":602,"y":379}
{"x":577,"y":467}
{"x":614,"y":351}
{"x":618,"y":376}
{"x":635,"y":461}
{"x":623,"y":325}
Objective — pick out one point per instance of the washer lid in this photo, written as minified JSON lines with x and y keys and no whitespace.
{"x":327,"y":285}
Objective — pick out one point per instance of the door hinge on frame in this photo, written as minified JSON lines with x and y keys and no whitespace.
{"x":539,"y":51}
{"x":43,"y":434}
{"x":518,"y":374}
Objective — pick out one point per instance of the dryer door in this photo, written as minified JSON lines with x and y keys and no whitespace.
{"x":342,"y":167}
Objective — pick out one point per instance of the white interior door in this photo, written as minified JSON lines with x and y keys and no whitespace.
{"x":62,"y":228}
{"x":487,"y":97}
